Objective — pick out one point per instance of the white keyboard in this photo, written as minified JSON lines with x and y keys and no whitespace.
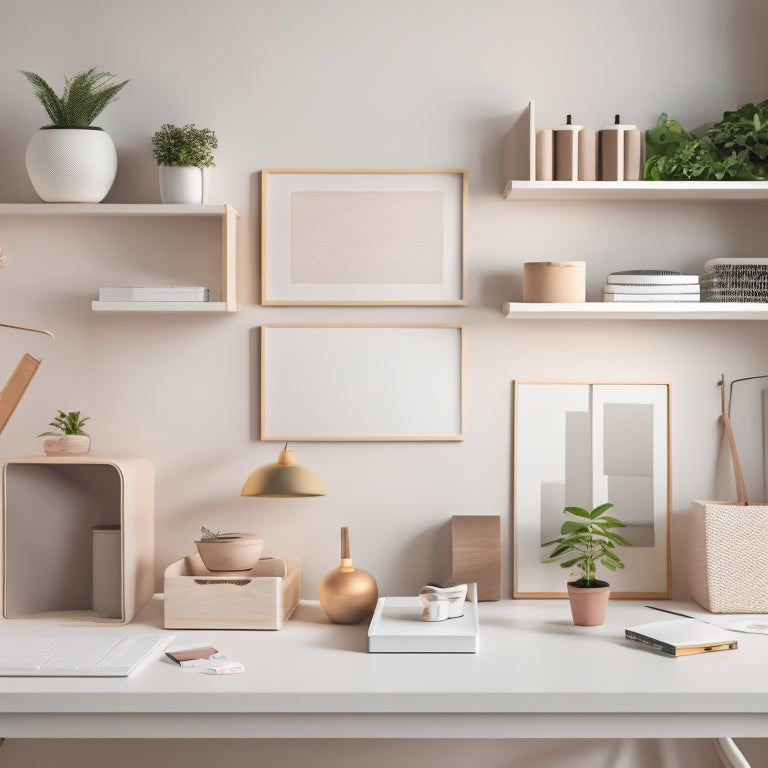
{"x":81,"y":653}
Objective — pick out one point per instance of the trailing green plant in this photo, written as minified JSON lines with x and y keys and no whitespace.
{"x":184,"y":146}
{"x":587,"y":539}
{"x":70,"y":423}
{"x":733,"y":149}
{"x":83,"y":99}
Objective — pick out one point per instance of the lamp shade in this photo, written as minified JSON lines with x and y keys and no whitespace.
{"x":284,"y":479}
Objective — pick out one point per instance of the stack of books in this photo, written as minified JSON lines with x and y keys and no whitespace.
{"x":743,"y":280}
{"x":644,"y":285}
{"x":153,"y":293}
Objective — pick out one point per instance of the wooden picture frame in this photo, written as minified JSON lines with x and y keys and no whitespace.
{"x":583,"y":444}
{"x":363,"y":237}
{"x":362,"y":382}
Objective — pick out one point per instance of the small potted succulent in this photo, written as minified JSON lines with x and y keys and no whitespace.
{"x":71,"y":160}
{"x":69,"y":439}
{"x":588,"y":538}
{"x":184,"y":155}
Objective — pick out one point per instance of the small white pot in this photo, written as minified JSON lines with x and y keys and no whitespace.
{"x":183,"y":184}
{"x":71,"y":165}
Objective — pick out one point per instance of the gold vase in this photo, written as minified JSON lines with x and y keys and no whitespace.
{"x":348,"y":595}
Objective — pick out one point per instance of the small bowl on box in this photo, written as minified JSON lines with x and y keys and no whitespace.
{"x":230,"y":551}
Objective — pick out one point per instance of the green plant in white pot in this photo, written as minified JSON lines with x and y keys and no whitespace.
{"x":184,"y":155}
{"x":71,"y":160}
{"x":587,"y":539}
{"x":69,"y":437}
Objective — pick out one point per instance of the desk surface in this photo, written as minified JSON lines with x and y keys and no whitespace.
{"x":535,"y":675}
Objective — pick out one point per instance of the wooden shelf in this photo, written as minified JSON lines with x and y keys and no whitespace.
{"x":224,"y":211}
{"x":636,"y":311}
{"x":650,"y":191}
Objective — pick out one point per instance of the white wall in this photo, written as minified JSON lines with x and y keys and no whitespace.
{"x":360,"y":84}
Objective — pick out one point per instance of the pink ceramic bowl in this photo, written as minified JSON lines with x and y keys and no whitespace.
{"x":239,"y":553}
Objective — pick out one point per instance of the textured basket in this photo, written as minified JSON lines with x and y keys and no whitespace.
{"x":727,"y":556}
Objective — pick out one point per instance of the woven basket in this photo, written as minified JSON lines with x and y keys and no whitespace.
{"x":727,"y":556}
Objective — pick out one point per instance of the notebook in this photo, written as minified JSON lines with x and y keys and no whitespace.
{"x":683,"y":637}
{"x":78,"y":654}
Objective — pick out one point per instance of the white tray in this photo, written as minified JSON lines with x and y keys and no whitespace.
{"x":397,"y":627}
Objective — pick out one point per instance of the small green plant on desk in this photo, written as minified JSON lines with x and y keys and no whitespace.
{"x":186,"y":146}
{"x":69,"y":423}
{"x":587,"y":540}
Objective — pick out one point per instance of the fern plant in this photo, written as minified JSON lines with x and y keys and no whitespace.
{"x":184,"y":146}
{"x":83,"y":99}
{"x":67,"y":424}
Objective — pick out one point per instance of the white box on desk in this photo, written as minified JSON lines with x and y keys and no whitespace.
{"x":262,"y":598}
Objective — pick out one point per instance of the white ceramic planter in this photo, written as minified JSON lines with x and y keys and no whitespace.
{"x":71,"y":165}
{"x":183,"y":184}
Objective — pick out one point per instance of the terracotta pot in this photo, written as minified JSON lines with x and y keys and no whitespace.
{"x":588,"y":604}
{"x":67,"y":445}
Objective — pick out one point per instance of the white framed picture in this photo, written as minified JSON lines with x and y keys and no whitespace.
{"x":363,"y":237}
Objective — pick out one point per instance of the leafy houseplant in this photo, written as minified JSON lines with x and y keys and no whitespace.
{"x":71,"y":160}
{"x":588,"y":538}
{"x":70,"y":439}
{"x":184,"y":155}
{"x":733,"y":149}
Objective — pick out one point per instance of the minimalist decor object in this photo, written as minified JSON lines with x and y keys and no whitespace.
{"x":229,"y":551}
{"x":476,"y":553}
{"x":69,"y":439}
{"x":184,"y":155}
{"x":579,"y":444}
{"x":106,"y":569}
{"x":361,"y":382}
{"x":554,"y":281}
{"x":586,"y":540}
{"x":262,"y":598}
{"x":72,"y":161}
{"x":285,"y":478}
{"x":347,"y":594}
{"x":363,"y":237}
{"x":727,"y":548}
{"x":397,"y":626}
{"x":57,"y":502}
{"x":442,"y":603}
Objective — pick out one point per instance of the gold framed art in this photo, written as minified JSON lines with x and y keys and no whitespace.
{"x":363,"y":237}
{"x":583,"y":444}
{"x":362,"y":382}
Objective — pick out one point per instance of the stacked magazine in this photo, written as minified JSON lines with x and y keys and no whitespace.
{"x":153,"y":293}
{"x":643,"y":285}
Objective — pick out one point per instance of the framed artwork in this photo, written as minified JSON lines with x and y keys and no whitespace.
{"x":363,"y":237}
{"x":362,"y":382}
{"x":581,"y":444}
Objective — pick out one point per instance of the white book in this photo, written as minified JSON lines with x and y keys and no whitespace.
{"x":682,"y":637}
{"x":648,"y":278}
{"x":648,"y":297}
{"x":637,"y":288}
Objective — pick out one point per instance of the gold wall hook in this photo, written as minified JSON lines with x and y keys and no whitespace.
{"x":22,"y":328}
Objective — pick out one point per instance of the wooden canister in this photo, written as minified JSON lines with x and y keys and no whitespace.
{"x":554,"y":281}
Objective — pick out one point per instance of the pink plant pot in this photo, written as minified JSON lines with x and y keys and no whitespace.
{"x":588,"y":605}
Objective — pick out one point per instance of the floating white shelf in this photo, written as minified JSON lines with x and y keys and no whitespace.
{"x":636,"y":311}
{"x":650,"y":191}
{"x":158,"y":306}
{"x":224,"y":211}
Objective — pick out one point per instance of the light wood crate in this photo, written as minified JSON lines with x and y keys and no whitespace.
{"x":262,"y":598}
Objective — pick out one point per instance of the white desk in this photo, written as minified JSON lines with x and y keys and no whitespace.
{"x":536,"y":676}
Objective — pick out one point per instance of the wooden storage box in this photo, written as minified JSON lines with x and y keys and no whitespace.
{"x":727,"y":556}
{"x":50,"y":508}
{"x":262,"y":598}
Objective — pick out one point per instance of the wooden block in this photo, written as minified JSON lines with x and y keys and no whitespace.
{"x":476,"y":553}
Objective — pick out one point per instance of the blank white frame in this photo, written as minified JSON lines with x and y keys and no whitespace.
{"x":278,"y":214}
{"x":362,"y":382}
{"x":540,"y":410}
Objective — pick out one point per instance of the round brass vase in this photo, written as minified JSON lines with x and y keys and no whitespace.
{"x":348,"y":595}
